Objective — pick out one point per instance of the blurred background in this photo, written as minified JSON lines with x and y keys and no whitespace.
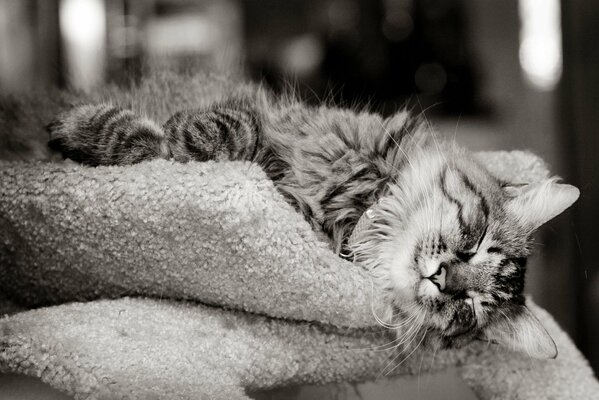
{"x":496,"y":74}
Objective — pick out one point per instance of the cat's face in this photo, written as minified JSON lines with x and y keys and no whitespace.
{"x":454,"y":250}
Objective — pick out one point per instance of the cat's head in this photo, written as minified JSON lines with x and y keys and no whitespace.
{"x":450,"y":242}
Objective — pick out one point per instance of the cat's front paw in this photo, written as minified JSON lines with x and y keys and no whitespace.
{"x":105,"y":135}
{"x":74,"y":131}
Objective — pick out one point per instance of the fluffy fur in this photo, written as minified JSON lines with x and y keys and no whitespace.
{"x":446,"y":239}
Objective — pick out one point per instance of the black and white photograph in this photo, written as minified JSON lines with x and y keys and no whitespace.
{"x":299,"y":199}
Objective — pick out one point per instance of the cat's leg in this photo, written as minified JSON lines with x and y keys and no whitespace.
{"x":224,"y":132}
{"x":106,"y":135}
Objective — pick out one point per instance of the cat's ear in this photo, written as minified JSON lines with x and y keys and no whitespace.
{"x":533,"y":205}
{"x":522,"y":332}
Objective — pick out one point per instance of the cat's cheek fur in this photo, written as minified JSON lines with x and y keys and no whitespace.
{"x":403,"y":279}
{"x":524,"y":333}
{"x":402,"y":271}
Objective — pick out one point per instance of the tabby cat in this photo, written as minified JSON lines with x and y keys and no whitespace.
{"x":446,"y":239}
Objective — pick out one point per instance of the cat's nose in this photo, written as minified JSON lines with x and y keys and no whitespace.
{"x":438,"y":278}
{"x":459,"y":277}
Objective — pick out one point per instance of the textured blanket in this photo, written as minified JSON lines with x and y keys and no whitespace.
{"x":234,"y":291}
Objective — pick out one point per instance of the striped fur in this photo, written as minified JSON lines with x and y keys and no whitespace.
{"x":447,"y":241}
{"x":106,"y":135}
{"x":226,"y":132}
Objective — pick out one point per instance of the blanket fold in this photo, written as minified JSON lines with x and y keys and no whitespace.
{"x":285,"y":309}
{"x":152,"y":349}
{"x":210,"y":232}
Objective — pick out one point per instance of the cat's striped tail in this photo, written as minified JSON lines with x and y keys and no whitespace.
{"x":107,"y":135}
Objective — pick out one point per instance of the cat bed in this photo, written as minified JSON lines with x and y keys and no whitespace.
{"x":162,"y":281}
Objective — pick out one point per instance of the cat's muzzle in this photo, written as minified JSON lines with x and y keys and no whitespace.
{"x":438,"y":278}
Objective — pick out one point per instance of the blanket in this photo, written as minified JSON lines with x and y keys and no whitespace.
{"x":163,"y":280}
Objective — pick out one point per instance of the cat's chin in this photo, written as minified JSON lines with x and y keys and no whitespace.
{"x":436,"y":340}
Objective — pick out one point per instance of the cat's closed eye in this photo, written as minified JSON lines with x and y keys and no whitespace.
{"x":464,"y":256}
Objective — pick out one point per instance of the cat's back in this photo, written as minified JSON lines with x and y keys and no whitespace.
{"x":323,"y":133}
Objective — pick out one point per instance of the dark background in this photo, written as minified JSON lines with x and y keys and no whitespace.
{"x":496,"y":74}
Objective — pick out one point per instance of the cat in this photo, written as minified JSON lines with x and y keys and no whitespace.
{"x":445,"y":239}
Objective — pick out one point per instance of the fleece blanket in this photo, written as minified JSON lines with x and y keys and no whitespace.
{"x":230,"y":291}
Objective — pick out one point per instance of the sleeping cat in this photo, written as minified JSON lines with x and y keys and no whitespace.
{"x":445,"y":239}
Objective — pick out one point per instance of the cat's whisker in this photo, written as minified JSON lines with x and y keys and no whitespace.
{"x":435,"y":351}
{"x":412,"y":331}
{"x":433,"y":134}
{"x":407,"y":337}
{"x":399,"y":354}
{"x":399,"y":147}
{"x":387,"y":346}
{"x":390,"y":163}
{"x":392,"y":326}
{"x":420,"y":369}
{"x":372,"y":307}
{"x":409,"y":355}
{"x":442,"y":215}
{"x":455,"y":131}
{"x":405,"y":322}
{"x":509,"y":323}
{"x":377,"y":348}
{"x":417,"y":328}
{"x":431,"y":129}
{"x":388,"y":365}
{"x":412,"y":316}
{"x":429,"y":192}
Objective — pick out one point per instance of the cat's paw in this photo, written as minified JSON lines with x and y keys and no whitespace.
{"x":105,"y":135}
{"x":72,"y":130}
